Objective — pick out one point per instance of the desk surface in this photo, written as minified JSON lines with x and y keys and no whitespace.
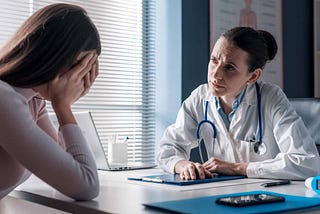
{"x":11,"y":205}
{"x":119,"y":195}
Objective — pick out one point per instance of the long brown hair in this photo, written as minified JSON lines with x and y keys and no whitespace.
{"x":46,"y":43}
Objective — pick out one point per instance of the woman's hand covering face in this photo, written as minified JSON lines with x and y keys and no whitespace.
{"x":69,"y":86}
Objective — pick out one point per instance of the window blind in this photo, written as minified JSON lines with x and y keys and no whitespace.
{"x":122,"y":99}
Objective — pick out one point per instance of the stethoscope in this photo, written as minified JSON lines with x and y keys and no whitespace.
{"x":258,"y":147}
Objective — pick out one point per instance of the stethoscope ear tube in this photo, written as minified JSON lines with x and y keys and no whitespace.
{"x":259,"y":147}
{"x":259,"y":112}
{"x":214,"y":129}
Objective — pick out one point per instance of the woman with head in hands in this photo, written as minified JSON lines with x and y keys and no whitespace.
{"x":53,"y":56}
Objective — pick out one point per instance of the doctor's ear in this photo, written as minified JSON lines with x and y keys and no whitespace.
{"x":255,"y":75}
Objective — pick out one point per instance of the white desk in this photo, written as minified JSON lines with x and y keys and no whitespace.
{"x":11,"y":205}
{"x":119,"y":195}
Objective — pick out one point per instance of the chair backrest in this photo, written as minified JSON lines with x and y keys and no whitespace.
{"x":309,"y":111}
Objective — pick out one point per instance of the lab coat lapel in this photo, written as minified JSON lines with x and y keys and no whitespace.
{"x":241,"y":127}
{"x":224,"y":140}
{"x":245,"y":120}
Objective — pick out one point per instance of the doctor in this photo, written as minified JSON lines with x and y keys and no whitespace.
{"x":248,"y":126}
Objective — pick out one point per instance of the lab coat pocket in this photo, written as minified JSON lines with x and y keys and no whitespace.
{"x":247,"y":152}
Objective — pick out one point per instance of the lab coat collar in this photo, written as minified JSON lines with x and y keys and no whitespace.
{"x":205,"y":93}
{"x":250,"y":97}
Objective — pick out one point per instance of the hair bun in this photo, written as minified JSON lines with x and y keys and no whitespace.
{"x":271,"y":43}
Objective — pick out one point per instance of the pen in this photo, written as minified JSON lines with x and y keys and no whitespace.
{"x":276,"y":183}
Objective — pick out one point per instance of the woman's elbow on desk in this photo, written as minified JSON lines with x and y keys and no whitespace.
{"x":88,"y":195}
{"x":86,"y":192}
{"x":83,"y":188}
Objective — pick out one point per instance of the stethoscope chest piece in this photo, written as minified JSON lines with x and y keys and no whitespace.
{"x":259,"y":148}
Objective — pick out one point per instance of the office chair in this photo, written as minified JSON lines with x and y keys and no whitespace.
{"x":309,"y":111}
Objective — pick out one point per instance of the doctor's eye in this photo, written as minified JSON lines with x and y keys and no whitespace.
{"x":229,"y":68}
{"x":214,"y":60}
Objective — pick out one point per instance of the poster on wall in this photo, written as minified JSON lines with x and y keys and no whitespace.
{"x":258,"y":14}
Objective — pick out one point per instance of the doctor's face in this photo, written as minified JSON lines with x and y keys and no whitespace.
{"x":228,"y":70}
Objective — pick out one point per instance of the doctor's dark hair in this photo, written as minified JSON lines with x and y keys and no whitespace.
{"x":46,"y":44}
{"x":260,"y":45}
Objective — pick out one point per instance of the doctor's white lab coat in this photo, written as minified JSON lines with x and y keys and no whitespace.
{"x":291,"y":152}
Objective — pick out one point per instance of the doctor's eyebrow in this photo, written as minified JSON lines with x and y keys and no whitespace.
{"x":231,"y":64}
{"x":230,"y":67}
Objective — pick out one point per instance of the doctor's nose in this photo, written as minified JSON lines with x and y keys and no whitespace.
{"x":216,"y":72}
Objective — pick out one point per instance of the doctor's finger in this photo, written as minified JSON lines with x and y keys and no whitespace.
{"x":185,"y":175}
{"x":209,"y":162}
{"x":206,"y":164}
{"x":192,"y":171}
{"x":200,"y":171}
{"x":207,"y":173}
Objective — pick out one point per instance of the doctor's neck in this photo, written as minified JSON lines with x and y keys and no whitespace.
{"x":226,"y":101}
{"x":226,"y":104}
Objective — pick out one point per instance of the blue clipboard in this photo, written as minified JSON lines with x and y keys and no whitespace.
{"x":175,"y":179}
{"x":208,"y":205}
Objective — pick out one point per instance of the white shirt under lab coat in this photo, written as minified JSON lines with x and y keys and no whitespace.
{"x":291,"y":152}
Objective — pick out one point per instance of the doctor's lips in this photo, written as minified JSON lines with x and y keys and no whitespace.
{"x":215,"y":85}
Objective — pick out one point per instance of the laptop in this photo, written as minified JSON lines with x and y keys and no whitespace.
{"x":86,"y":124}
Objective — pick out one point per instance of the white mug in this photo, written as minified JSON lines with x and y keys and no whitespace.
{"x":117,"y":151}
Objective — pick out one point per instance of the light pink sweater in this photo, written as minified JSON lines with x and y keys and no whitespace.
{"x":28,"y":144}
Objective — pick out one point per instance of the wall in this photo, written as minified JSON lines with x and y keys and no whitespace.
{"x":195,"y":44}
{"x":168,"y":63}
{"x":297,"y":46}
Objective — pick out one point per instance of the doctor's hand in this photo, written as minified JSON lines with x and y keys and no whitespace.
{"x":215,"y":165}
{"x":191,"y":171}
